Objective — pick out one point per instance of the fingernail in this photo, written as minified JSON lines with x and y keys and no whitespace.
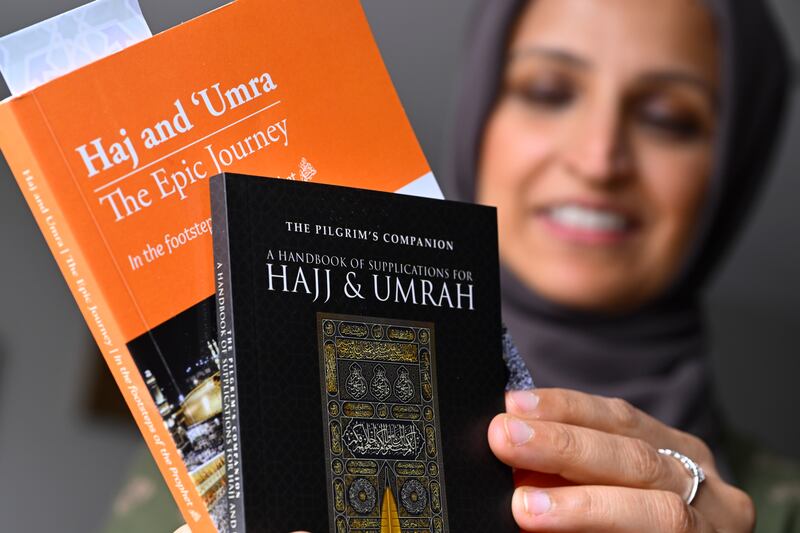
{"x":526,"y":400}
{"x":537,"y":502}
{"x":518,"y":431}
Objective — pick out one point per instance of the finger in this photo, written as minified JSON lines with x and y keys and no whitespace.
{"x":584,"y":455}
{"x":608,"y":509}
{"x":611,"y":415}
{"x":183,"y":529}
{"x":725,"y":506}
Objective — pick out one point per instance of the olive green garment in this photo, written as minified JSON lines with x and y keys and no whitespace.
{"x":773,"y":482}
{"x":144,"y":503}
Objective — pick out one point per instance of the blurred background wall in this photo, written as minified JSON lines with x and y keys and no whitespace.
{"x":60,"y":466}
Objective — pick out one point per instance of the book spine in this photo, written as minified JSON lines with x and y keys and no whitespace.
{"x":227,"y":344}
{"x":34,"y":159}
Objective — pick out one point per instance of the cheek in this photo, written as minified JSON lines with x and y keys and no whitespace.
{"x":675,"y":182}
{"x":513,"y":154}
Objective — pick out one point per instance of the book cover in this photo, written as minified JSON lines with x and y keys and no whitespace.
{"x":114,"y":161}
{"x":361,"y":353}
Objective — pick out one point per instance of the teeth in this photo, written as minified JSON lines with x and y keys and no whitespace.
{"x":586,"y":218}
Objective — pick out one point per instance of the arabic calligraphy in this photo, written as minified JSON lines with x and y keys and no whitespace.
{"x":380,"y":386}
{"x":376,"y":351}
{"x":403,"y":387}
{"x":377,"y":439}
{"x":349,"y":329}
{"x":356,"y":383}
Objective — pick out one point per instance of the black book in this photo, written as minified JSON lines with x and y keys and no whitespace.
{"x":360,"y":339}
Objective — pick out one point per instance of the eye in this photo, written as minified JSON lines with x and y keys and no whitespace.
{"x":670,"y":121}
{"x":545,"y":92}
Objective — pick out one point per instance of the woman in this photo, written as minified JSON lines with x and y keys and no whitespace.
{"x":622,"y":142}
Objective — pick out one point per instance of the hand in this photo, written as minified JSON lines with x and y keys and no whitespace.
{"x":611,"y":476}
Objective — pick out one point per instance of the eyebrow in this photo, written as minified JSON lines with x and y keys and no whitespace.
{"x":562,"y":56}
{"x":569,"y":58}
{"x":683,"y":78}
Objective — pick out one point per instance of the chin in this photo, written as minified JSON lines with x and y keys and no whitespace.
{"x":588,"y":289}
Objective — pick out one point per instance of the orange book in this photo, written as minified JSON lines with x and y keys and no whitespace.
{"x":114,"y":161}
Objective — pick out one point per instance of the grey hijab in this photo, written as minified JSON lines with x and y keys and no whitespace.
{"x":654,"y":357}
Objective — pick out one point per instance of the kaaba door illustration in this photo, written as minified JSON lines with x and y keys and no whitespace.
{"x":383,"y":438}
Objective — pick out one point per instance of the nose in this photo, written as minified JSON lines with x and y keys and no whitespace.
{"x":594,"y":148}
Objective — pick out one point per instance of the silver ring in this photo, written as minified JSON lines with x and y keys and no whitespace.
{"x":694,"y":469}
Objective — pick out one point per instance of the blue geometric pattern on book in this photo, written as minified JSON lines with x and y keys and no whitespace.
{"x":37,"y":54}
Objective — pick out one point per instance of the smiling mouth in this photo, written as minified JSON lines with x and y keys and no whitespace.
{"x":588,"y":224}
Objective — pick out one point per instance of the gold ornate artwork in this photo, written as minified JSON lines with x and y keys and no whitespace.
{"x":401,"y":334}
{"x":330,"y":367}
{"x":353,"y":330}
{"x":376,"y":351}
{"x":378,"y":383}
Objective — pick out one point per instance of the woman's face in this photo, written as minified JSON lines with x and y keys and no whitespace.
{"x":599,"y":150}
